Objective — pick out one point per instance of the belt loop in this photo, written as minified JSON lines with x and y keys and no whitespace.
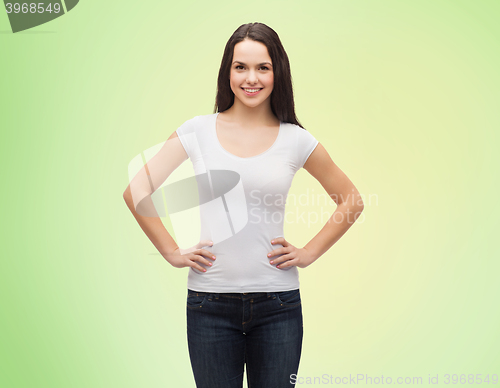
{"x":216,"y":295}
{"x":268,"y":294}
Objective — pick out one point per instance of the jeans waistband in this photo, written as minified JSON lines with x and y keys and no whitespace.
{"x":240,"y":295}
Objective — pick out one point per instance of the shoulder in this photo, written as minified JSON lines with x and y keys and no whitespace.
{"x":293,"y":127}
{"x":298,"y":132}
{"x":191,"y":121}
{"x":205,"y":118}
{"x":290,"y":128}
{"x":200,"y":121}
{"x":196,"y":126}
{"x":192,"y":124}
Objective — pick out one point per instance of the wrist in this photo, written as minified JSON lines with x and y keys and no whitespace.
{"x":311,"y":255}
{"x":168,"y":253}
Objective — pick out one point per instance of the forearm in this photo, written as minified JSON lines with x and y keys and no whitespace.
{"x":152,"y":226}
{"x":337,"y":225}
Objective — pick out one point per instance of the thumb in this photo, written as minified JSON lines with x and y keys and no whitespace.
{"x":205,"y":243}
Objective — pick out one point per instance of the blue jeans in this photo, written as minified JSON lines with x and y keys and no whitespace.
{"x":227,"y":330}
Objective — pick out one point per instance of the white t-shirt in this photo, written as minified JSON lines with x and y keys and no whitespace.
{"x":242,"y":206}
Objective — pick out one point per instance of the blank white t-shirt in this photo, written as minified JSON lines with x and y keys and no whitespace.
{"x":242,"y":206}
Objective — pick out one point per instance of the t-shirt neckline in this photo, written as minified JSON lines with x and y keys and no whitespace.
{"x":214,"y":131}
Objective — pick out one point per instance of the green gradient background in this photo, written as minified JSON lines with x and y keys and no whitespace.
{"x":401,"y":94}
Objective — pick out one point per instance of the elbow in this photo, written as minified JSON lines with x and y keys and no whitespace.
{"x":360,"y":205}
{"x":353,"y":206}
{"x":127,"y":194}
{"x":126,"y":199}
{"x":352,"y":203}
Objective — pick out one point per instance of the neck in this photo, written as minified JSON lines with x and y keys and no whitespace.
{"x":260,"y":115}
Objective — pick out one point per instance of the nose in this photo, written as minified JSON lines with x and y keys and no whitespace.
{"x":252,"y":78}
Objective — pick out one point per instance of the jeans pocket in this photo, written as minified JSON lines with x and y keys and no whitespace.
{"x":196,"y":299}
{"x":288,"y":298}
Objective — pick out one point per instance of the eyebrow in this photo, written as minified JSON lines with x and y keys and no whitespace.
{"x":263,"y":63}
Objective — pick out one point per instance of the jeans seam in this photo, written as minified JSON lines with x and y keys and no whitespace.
{"x":285,"y":304}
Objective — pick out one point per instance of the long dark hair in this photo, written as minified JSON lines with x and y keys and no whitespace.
{"x":282,"y":104}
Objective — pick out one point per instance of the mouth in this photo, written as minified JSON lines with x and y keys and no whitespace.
{"x":251,"y":92}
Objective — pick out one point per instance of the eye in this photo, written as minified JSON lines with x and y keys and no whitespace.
{"x":238,"y":66}
{"x":264,"y":67}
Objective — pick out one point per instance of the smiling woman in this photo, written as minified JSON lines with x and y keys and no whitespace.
{"x":243,"y":304}
{"x":251,"y":73}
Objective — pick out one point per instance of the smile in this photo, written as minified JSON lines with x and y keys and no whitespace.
{"x":251,"y":92}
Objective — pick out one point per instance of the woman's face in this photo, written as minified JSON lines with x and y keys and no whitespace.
{"x":251,"y":69}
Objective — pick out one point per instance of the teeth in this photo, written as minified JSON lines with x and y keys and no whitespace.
{"x":251,"y":90}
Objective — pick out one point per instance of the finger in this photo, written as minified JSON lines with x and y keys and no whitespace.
{"x":288,"y":263}
{"x":204,"y":243}
{"x":201,"y":259}
{"x":205,"y":252}
{"x":199,"y":267}
{"x":191,"y":262}
{"x":282,"y":259}
{"x":278,"y":251}
{"x":194,"y":264}
{"x":279,"y":240}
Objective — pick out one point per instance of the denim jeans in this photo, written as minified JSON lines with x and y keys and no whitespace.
{"x":225,"y":331}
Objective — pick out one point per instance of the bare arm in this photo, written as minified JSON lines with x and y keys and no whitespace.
{"x":349,"y":207}
{"x":138,"y":193}
{"x":343,"y":192}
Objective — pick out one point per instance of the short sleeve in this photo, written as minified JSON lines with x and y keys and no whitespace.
{"x":187,"y":136}
{"x":304,"y":146}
